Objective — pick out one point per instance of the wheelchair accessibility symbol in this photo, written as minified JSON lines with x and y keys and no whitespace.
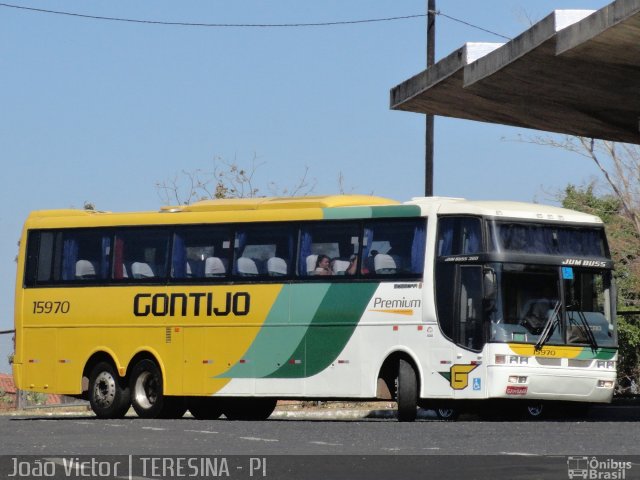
{"x":476,"y":384}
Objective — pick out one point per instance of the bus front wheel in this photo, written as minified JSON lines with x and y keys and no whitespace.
{"x":109,"y":396}
{"x":147,"y":397}
{"x":407,"y":392}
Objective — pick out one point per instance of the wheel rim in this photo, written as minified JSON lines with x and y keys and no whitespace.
{"x":446,"y":413}
{"x":104,"y":390}
{"x":535,"y":410}
{"x":146,"y":390}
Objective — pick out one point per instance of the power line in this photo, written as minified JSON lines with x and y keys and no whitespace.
{"x":438,"y":12}
{"x":246,"y":25}
{"x":214,"y":25}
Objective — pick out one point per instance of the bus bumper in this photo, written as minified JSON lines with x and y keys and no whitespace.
{"x":548,"y":384}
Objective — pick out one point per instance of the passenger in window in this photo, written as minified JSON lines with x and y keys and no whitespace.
{"x":352,"y":269}
{"x":323,"y":265}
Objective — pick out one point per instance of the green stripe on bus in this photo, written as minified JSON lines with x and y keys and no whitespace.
{"x":386,"y":211}
{"x":330,"y":330}
{"x":395,"y":211}
{"x":280,"y":335}
{"x":599,"y":354}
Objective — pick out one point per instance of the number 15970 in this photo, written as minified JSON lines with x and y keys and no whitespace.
{"x":51,"y":307}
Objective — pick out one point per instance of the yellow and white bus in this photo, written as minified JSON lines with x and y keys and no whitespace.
{"x":225,"y":306}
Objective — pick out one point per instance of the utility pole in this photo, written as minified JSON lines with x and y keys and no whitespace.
{"x":431,"y":56}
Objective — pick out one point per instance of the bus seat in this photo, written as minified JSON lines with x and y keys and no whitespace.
{"x":85,"y":270}
{"x":339,"y":267}
{"x":276,"y":267}
{"x":311,"y":263}
{"x":194,"y":268}
{"x":214,"y":267}
{"x":142,"y":270}
{"x":384,"y":264}
{"x":400,"y":263}
{"x":247,"y":267}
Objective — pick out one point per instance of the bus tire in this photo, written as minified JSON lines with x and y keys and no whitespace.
{"x":407,"y":392}
{"x":205,"y":408}
{"x":109,"y":396}
{"x":249,"y":408}
{"x":147,"y":397}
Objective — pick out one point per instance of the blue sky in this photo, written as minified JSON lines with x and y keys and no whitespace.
{"x":100,"y":111}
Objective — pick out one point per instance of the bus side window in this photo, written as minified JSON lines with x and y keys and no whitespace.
{"x":393,"y":248}
{"x":264,"y":250}
{"x":337,"y":240}
{"x":201,"y":252}
{"x":141,"y":255}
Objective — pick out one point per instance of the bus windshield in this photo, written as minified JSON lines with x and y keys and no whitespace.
{"x":546,"y":239}
{"x":552,"y":305}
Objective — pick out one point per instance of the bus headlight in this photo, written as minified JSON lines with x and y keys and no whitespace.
{"x":608,"y":364}
{"x":511,"y":360}
{"x":517,"y":379}
{"x":605,"y":383}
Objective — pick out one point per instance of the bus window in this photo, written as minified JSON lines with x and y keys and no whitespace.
{"x":468,"y":331}
{"x":393,"y":248}
{"x":456,"y":236}
{"x":339,"y":241}
{"x":459,"y":236}
{"x":264,"y":250}
{"x":68,"y":256}
{"x":141,"y":255}
{"x":201,"y":252}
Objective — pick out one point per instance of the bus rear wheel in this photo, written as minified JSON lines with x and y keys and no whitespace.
{"x":249,"y":408}
{"x":205,"y":408}
{"x":147,"y":395}
{"x":407,"y":392}
{"x":109,"y":396}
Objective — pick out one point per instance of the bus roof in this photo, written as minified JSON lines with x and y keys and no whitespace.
{"x":307,"y":208}
{"x":501,"y":209}
{"x":264,"y":203}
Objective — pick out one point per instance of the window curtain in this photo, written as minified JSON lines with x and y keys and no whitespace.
{"x":105,"y":251}
{"x":472,"y":236}
{"x":306,"y":241}
{"x":118,"y":259}
{"x":367,"y":240}
{"x":445,"y":241}
{"x":179,"y":258}
{"x":69,"y":258}
{"x":418,"y":248}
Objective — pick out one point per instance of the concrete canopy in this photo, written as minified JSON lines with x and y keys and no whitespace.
{"x":575,"y":72}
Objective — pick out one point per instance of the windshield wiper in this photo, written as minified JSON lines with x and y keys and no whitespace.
{"x":586,"y":329}
{"x":549,"y":327}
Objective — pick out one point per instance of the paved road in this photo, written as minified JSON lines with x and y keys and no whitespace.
{"x":297,"y":449}
{"x":611,"y":431}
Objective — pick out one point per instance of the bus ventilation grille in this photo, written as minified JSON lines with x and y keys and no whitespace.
{"x":167,"y":335}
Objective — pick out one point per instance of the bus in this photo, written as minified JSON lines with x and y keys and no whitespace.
{"x":226,"y":306}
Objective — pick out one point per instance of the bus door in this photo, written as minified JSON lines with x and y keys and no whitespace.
{"x":468,"y":372}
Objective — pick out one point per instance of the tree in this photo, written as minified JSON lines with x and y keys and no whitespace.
{"x":619,"y":164}
{"x":619,"y":208}
{"x":624,"y":242}
{"x":226,"y":180}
